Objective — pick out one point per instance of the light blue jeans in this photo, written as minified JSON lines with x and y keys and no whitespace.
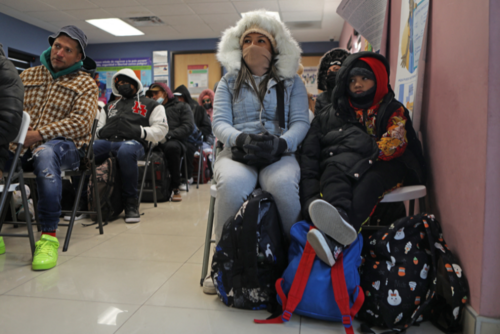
{"x":235,"y":181}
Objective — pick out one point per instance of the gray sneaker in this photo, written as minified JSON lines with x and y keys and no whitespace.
{"x":328,"y":219}
{"x":208,"y":286}
{"x":327,"y":249}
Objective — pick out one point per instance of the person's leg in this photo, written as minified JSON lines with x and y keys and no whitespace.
{"x":102,"y":150}
{"x":368,"y":191}
{"x":127,"y":154}
{"x":173,"y":151}
{"x":235,"y":181}
{"x":281,"y":179}
{"x":48,"y":161}
{"x":190,"y":150}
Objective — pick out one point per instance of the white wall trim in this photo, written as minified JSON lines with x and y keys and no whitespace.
{"x":476,"y":324}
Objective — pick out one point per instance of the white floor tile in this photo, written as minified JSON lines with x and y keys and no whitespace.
{"x":104,"y":280}
{"x":41,"y":315}
{"x":151,"y":319}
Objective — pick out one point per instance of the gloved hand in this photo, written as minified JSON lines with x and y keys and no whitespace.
{"x":262,"y":150}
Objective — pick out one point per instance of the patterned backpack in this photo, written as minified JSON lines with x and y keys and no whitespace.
{"x":409,"y":275}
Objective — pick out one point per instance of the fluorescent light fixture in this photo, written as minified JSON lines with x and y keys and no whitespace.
{"x":275,"y":14}
{"x":115,"y":27}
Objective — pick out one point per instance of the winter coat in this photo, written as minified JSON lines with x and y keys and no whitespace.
{"x":62,"y":107}
{"x":11,"y":105}
{"x":210,"y":111}
{"x":337,"y":137}
{"x":323,"y":100}
{"x":187,"y":96}
{"x":180,"y":120}
{"x":137,"y":117}
{"x":231,"y":117}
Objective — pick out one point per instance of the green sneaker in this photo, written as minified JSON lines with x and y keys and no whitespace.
{"x":45,"y":253}
{"x":2,"y":246}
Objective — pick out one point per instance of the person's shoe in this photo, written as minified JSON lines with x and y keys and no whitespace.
{"x":330,"y":221}
{"x":176,"y":196}
{"x":78,"y":217}
{"x":2,"y":246}
{"x":327,"y":249}
{"x":45,"y":253}
{"x":21,"y":215}
{"x":132,"y":215}
{"x":208,"y":286}
{"x":183,"y":187}
{"x":190,"y":180}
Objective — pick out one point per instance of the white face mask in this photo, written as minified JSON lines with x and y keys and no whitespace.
{"x":160,"y":100}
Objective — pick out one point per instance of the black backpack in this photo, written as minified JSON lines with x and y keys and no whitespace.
{"x":398,"y":274}
{"x":162,"y":179}
{"x":251,"y":255}
{"x":109,"y":187}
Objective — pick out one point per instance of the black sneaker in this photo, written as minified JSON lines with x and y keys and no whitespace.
{"x":132,"y":211}
{"x":327,"y":249}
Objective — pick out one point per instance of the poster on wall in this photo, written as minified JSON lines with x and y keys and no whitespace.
{"x":197,"y":78}
{"x":106,"y":68}
{"x":310,"y":77}
{"x":412,"y":29}
{"x":367,"y":17}
{"x":160,"y":66}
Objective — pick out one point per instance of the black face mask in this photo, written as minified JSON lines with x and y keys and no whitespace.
{"x":125,"y":90}
{"x":363,"y":100}
{"x":330,"y":80}
{"x":207,"y":106}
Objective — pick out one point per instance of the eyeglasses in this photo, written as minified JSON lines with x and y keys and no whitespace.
{"x":206,"y":101}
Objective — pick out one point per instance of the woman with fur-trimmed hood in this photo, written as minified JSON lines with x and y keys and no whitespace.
{"x":261,"y":58}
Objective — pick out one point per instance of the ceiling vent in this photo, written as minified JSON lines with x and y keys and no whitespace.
{"x":303,"y":25}
{"x":145,"y":21}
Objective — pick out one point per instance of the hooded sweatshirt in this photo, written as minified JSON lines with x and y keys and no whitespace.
{"x":187,"y":96}
{"x":11,"y":105}
{"x":137,"y":117}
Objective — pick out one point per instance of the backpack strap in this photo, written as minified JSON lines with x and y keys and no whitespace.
{"x":342,"y":295}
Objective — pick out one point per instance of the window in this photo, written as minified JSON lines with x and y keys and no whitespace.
{"x":21,"y":60}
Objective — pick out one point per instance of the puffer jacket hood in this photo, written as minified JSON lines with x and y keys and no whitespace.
{"x":129,"y":73}
{"x":288,"y":51}
{"x":165,"y":88}
{"x":187,"y":96}
{"x":380,"y":68}
{"x":324,"y":64}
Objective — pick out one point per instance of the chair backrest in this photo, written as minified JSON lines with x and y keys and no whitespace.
{"x":23,"y":130}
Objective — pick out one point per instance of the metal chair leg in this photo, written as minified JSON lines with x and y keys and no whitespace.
{"x":34,"y":196}
{"x":96,"y":196}
{"x":412,"y":207}
{"x":208,"y":240}
{"x":73,"y":213}
{"x":421,"y":203}
{"x":153,"y":180}
{"x":200,"y":164}
{"x":27,"y":214}
{"x":186,"y":171}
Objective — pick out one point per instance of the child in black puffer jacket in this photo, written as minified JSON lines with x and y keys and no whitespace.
{"x":362,"y":148}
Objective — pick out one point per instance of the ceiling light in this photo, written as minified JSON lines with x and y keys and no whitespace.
{"x":115,"y":27}
{"x":276,"y":15}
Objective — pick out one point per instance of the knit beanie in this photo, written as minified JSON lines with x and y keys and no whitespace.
{"x":365,"y":99}
{"x":363,"y":69}
{"x":258,"y":30}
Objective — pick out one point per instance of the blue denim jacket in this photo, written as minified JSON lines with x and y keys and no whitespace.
{"x":234,"y":117}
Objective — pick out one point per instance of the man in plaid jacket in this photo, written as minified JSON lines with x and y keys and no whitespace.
{"x":62,"y":103}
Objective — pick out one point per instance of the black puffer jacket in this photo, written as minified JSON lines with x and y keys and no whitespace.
{"x":11,"y":105}
{"x":338,"y":138}
{"x":187,"y":96}
{"x":322,"y":101}
{"x":180,"y":119}
{"x":202,"y":121}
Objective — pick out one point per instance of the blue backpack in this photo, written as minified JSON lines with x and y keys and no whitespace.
{"x":311,"y":288}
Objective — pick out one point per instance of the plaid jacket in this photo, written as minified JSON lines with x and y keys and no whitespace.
{"x":64,"y":107}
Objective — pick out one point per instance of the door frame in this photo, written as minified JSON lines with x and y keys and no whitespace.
{"x":172,"y":61}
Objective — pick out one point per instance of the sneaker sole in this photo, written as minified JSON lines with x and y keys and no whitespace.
{"x":43,"y":267}
{"x":209,"y":288}
{"x":318,"y":243}
{"x":80,"y":217}
{"x":176,"y":199}
{"x":326,"y":217}
{"x":132,"y":220}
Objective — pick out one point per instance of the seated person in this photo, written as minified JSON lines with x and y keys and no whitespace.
{"x":206,"y":100}
{"x":125,"y":128}
{"x":363,"y":146}
{"x":183,"y":95}
{"x":328,"y":67}
{"x":181,"y":125}
{"x":61,"y":100}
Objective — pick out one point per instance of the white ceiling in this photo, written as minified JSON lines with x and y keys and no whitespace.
{"x":184,"y":19}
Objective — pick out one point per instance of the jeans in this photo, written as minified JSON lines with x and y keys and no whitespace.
{"x":47,"y":162}
{"x":173,"y":152}
{"x":235,"y":181}
{"x":127,"y":153}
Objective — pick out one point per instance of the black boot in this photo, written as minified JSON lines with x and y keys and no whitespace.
{"x":132,"y":211}
{"x":327,"y":249}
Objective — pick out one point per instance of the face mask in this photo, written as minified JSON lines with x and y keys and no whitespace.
{"x":125,"y":90}
{"x":258,"y":59}
{"x":207,"y":106}
{"x":330,"y":80}
{"x":160,"y":100}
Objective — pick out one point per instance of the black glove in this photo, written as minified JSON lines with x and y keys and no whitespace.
{"x":262,"y":150}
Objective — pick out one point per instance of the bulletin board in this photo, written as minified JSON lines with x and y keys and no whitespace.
{"x":310,"y":62}
{"x":182,"y":60}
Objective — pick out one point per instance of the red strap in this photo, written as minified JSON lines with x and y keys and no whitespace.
{"x":281,"y":293}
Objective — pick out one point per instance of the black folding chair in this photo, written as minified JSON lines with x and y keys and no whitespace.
{"x":16,"y":173}
{"x":147,"y":163}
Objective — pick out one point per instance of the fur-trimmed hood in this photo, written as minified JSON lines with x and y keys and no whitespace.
{"x":288,"y":51}
{"x":208,"y":92}
{"x":324,"y":64}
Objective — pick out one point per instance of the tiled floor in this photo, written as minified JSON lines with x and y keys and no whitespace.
{"x":138,"y":278}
